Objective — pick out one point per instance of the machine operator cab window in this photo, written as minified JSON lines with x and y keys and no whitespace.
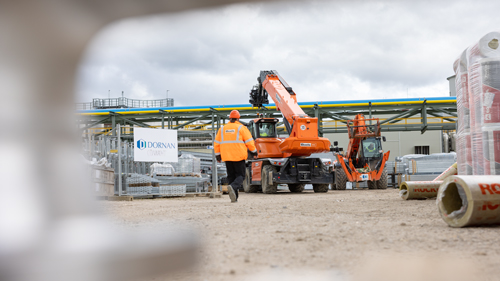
{"x":266,"y":130}
{"x":371,"y":148}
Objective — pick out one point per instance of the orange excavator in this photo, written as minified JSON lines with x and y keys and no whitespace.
{"x":364,"y":159}
{"x":285,"y":160}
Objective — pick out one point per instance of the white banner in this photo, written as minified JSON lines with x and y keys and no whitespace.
{"x":155,"y":145}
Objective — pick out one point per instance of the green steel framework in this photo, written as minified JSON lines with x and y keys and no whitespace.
{"x":420,"y":114}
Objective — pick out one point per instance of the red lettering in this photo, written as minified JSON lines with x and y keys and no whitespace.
{"x":425,"y":190}
{"x":493,"y":207}
{"x":496,"y":188}
{"x":488,"y":205}
{"x":484,"y":187}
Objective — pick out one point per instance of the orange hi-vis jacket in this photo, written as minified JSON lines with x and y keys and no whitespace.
{"x":232,"y":142}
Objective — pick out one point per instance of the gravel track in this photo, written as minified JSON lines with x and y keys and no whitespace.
{"x":338,"y":231}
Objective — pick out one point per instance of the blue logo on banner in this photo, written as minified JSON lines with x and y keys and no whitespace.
{"x":141,"y":144}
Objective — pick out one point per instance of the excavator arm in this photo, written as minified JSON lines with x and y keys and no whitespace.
{"x":303,"y":130}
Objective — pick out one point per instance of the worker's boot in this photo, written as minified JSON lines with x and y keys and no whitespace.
{"x":232,"y":194}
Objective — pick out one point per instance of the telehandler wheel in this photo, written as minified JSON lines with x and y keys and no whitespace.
{"x":320,"y":188}
{"x":266,"y":187}
{"x":382,"y":182}
{"x":247,"y":187}
{"x":340,"y":178}
{"x":296,"y":187}
{"x":372,"y":184}
{"x":333,"y":186}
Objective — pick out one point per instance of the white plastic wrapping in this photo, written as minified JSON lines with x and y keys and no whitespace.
{"x":490,"y":129}
{"x":478,"y":105}
{"x":464,"y":156}
{"x":187,"y":164}
{"x":475,"y":104}
{"x":161,"y":169}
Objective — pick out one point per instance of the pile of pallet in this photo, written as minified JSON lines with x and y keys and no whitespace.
{"x":102,"y":180}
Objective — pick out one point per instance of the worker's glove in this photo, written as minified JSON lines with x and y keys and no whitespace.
{"x":253,"y":154}
{"x":218,"y":158}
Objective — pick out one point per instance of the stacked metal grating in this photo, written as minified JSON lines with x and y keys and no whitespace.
{"x":141,"y":184}
{"x":193,"y":184}
{"x":172,"y":190}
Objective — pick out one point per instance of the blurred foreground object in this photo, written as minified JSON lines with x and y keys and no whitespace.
{"x":50,"y":228}
{"x":416,"y":266}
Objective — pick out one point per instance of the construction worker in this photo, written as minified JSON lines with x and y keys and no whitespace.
{"x":370,"y":148}
{"x":263,"y":132}
{"x":231,"y":145}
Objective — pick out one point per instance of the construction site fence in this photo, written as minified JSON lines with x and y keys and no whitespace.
{"x":191,"y":174}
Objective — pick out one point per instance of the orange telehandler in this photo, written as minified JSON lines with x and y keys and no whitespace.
{"x":284,"y":160}
{"x":364,"y":159}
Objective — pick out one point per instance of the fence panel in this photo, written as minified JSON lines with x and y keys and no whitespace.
{"x":191,"y":174}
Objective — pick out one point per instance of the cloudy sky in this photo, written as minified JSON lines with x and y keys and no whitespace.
{"x":325,"y":50}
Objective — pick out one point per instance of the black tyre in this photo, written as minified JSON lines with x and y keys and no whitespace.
{"x":296,"y":187}
{"x":320,"y":188}
{"x":247,"y":187}
{"x":372,"y":184}
{"x":333,"y":186}
{"x":382,"y":182}
{"x":266,"y":186}
{"x":340,"y":178}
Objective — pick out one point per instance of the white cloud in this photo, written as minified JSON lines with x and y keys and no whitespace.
{"x":338,"y":50}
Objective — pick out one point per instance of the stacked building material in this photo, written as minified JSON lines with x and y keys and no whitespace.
{"x":478,"y":90}
{"x":193,"y":184}
{"x":187,"y":164}
{"x":419,"y":167}
{"x":425,"y":189}
{"x":172,"y":190}
{"x":464,"y":145}
{"x":490,"y":128}
{"x":161,"y":169}
{"x":103,"y":180}
{"x":138,"y":184}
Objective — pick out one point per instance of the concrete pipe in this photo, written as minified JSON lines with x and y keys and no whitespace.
{"x":451,"y":171}
{"x":470,"y":200}
{"x":419,"y":189}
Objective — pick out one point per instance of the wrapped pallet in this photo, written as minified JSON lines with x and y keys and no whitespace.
{"x":102,"y":180}
{"x":161,"y":169}
{"x":483,"y":60}
{"x":490,"y":82}
{"x":464,"y":151}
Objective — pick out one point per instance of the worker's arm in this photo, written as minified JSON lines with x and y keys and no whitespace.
{"x":248,"y":139}
{"x":217,"y":142}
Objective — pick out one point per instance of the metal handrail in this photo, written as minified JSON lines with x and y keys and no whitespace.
{"x":123,"y":102}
